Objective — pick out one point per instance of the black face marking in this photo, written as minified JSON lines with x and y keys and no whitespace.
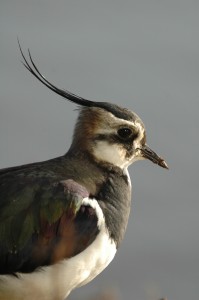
{"x":112,"y":139}
{"x":117,"y":139}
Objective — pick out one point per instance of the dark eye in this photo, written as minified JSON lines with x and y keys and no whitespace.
{"x":124,"y":133}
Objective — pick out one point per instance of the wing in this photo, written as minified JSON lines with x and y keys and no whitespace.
{"x":42,"y":221}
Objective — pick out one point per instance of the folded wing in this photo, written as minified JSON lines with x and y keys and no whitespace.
{"x":42,"y":220}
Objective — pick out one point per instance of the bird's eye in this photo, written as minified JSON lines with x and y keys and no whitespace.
{"x":124,"y":133}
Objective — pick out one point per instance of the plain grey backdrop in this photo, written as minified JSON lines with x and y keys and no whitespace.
{"x":142,"y":55}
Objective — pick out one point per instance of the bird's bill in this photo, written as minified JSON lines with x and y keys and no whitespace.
{"x":147,"y":153}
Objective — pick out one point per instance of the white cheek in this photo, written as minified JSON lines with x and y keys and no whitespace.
{"x":113,"y":154}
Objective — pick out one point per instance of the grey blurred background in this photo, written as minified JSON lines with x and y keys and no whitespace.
{"x":142,"y":55}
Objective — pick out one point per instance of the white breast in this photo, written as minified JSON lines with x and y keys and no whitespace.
{"x":57,"y":281}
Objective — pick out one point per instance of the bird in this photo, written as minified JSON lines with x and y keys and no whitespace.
{"x":62,"y":220}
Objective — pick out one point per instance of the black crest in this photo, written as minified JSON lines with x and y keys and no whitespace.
{"x":114,"y":109}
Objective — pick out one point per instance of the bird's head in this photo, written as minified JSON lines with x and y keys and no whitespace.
{"x":110,"y":133}
{"x":114,"y":135}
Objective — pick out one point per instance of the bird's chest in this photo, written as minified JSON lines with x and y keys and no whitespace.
{"x":115,"y":201}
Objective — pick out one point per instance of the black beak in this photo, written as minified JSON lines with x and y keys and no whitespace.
{"x":151,"y":155}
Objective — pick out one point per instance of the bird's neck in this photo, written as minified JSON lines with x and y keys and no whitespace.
{"x":109,"y":185}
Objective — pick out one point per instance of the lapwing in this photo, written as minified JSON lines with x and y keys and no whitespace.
{"x":62,"y":220}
